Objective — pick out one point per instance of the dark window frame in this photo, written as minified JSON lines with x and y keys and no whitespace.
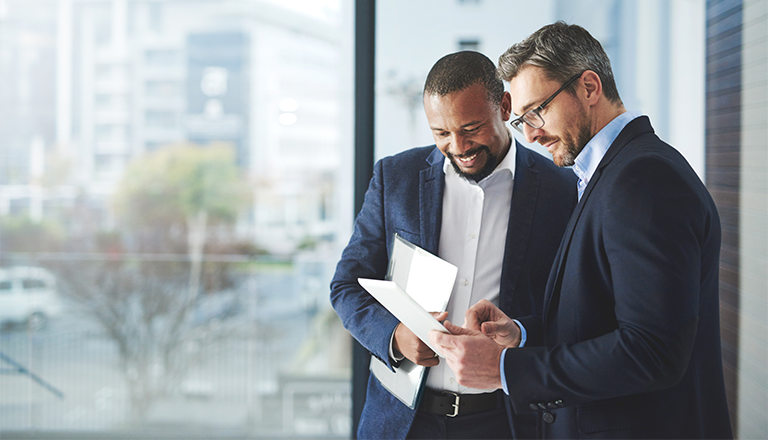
{"x":365,"y":56}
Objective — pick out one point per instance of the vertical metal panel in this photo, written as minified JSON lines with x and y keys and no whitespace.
{"x":365,"y":47}
{"x":723,"y":145}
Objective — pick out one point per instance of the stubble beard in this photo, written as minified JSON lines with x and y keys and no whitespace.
{"x":574,"y":147}
{"x":482,"y":173}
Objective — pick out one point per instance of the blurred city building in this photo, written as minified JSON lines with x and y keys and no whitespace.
{"x":90,"y":85}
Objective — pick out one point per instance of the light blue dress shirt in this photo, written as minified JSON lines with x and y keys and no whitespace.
{"x":587,"y":161}
{"x":584,"y":166}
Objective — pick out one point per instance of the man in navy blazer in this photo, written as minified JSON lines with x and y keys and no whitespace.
{"x":425,"y":195}
{"x":629,"y":342}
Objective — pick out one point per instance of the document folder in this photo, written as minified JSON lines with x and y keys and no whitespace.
{"x":428,"y":281}
{"x":408,"y":311}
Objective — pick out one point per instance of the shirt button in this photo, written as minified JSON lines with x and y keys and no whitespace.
{"x":466,"y":281}
{"x":472,"y":236}
{"x":548,"y":417}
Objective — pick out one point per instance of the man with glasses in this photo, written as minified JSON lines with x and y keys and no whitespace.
{"x":482,"y":202}
{"x":628,"y":345}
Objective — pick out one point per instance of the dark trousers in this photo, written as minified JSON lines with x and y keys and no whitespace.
{"x":492,"y":424}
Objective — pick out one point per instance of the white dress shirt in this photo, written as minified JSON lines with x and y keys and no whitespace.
{"x":473,"y":237}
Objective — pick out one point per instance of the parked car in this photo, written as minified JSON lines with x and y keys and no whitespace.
{"x":28,"y":296}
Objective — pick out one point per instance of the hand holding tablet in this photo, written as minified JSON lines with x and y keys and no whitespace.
{"x":404,"y":308}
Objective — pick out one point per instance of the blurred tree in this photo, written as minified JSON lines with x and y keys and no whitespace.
{"x":22,"y":234}
{"x":182,"y":185}
{"x":163,"y":196}
{"x":158,"y":334}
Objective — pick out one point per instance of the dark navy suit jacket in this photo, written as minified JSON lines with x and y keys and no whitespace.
{"x":630,"y":340}
{"x":405,"y":196}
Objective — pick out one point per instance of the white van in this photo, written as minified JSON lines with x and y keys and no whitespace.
{"x":28,"y":295}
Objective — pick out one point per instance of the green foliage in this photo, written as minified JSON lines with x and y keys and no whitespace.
{"x":22,"y":234}
{"x":169,"y":185}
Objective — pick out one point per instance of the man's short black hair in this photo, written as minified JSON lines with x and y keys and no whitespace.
{"x":460,"y":70}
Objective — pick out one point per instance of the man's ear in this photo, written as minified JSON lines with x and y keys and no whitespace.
{"x":592,"y":87}
{"x":506,"y":106}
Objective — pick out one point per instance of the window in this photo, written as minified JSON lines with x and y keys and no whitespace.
{"x":469,"y":44}
{"x":189,"y":235}
{"x":32,"y":283}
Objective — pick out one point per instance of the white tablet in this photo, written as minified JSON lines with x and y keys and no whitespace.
{"x":408,"y":311}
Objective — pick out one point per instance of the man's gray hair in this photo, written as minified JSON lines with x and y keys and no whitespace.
{"x":562,"y":51}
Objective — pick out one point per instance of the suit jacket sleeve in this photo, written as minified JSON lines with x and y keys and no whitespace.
{"x":635,"y":269}
{"x":366,"y":256}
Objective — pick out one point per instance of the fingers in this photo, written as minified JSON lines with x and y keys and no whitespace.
{"x":440,"y":316}
{"x":440,"y":339}
{"x":490,"y":328}
{"x":455,"y":329}
{"x":410,"y":346}
{"x":505,"y":333}
{"x":449,"y":341}
{"x":483,"y":311}
{"x":427,"y":359}
{"x":473,"y":357}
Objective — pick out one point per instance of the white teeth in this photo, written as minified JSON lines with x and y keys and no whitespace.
{"x":468,"y":159}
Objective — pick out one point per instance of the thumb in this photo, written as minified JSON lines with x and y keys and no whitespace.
{"x":455,"y":329}
{"x":440,"y":316}
{"x":489,"y":328}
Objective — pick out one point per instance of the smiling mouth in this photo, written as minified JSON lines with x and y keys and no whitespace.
{"x":468,"y":159}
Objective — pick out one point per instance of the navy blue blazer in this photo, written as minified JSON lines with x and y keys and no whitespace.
{"x":630,"y":339}
{"x":405,"y":196}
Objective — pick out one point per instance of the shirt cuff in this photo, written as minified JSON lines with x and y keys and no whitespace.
{"x":523,"y":338}
{"x":523,"y":334}
{"x":503,"y":376}
{"x":392,"y":350}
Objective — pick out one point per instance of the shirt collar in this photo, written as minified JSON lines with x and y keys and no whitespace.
{"x":508,"y":163}
{"x":589,"y":158}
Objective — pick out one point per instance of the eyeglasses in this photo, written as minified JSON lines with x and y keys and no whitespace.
{"x":533,"y":117}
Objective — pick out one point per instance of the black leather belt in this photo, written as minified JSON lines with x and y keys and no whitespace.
{"x":451,"y":404}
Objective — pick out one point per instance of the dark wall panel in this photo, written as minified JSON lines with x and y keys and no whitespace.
{"x":723,"y":128}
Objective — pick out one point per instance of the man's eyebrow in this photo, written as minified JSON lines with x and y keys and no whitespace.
{"x":468,"y":124}
{"x":525,"y":108}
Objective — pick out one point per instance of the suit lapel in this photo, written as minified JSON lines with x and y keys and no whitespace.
{"x":635,"y":128}
{"x":524,"y":194}
{"x":431,"y":187}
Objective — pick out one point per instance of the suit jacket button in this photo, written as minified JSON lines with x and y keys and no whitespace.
{"x":533,"y":406}
{"x":548,"y":417}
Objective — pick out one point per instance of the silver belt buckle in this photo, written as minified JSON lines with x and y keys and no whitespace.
{"x":455,"y":404}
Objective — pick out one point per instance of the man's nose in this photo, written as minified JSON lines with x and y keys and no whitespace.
{"x":531,"y":134}
{"x":460,"y":142}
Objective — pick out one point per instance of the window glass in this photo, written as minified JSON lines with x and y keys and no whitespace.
{"x":656,"y":52}
{"x":32,"y":283}
{"x":5,"y":285}
{"x":183,"y":170}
